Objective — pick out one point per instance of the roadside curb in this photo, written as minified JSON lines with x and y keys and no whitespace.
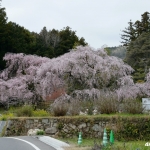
{"x":58,"y":145}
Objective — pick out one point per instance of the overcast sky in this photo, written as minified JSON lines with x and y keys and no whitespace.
{"x":98,"y":21}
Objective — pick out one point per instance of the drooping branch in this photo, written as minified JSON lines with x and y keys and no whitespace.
{"x":28,"y":77}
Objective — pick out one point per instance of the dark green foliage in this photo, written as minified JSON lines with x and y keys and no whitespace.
{"x":145,"y":22}
{"x":134,"y":30}
{"x":3,"y":21}
{"x":129,"y":34}
{"x":132,"y":129}
{"x":17,"y":39}
{"x":138,"y":54}
{"x":60,"y":126}
{"x":68,"y":39}
{"x":41,"y":132}
{"x":137,"y":40}
{"x":54,"y":43}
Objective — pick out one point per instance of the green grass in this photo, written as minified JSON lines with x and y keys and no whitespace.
{"x":88,"y":144}
{"x":24,"y":111}
{"x":122,"y":115}
{"x":5,"y":116}
{"x":40,"y":113}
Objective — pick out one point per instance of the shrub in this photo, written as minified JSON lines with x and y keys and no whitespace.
{"x":43,"y":105}
{"x":26,"y":110}
{"x":5,"y":116}
{"x":74,"y":107}
{"x":133,"y":106}
{"x":107,"y":104}
{"x":40,"y":113}
{"x":41,"y":132}
{"x":87,"y":106}
{"x":60,"y":126}
{"x":60,"y":109}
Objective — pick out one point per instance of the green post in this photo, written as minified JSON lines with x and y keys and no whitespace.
{"x":80,"y":138}
{"x":105,"y":142}
{"x":111,"y":137}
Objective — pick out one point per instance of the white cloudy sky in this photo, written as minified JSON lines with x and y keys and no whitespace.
{"x":98,"y":21}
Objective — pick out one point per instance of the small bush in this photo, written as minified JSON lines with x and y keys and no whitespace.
{"x":107,"y":104}
{"x":26,"y":110}
{"x":87,"y":106}
{"x":60,"y":126}
{"x":60,"y":109}
{"x":4,"y":117}
{"x":41,"y":132}
{"x":74,"y":107}
{"x":40,"y":113}
{"x":133,"y":106}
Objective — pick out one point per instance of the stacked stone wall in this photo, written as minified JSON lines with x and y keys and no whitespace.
{"x":62,"y":127}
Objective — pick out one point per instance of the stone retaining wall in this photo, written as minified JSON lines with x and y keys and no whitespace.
{"x":62,"y":127}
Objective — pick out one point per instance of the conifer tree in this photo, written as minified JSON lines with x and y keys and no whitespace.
{"x":138,"y":28}
{"x":145,"y":22}
{"x":138,"y":47}
{"x":129,"y":34}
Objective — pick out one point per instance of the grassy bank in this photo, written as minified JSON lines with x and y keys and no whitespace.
{"x":88,"y":144}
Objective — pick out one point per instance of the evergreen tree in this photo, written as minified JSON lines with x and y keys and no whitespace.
{"x":68,"y":39}
{"x":17,"y":39}
{"x":138,"y":28}
{"x":134,"y":30}
{"x":3,"y":35}
{"x":54,"y":43}
{"x":138,"y":55}
{"x":145,"y":22}
{"x":129,"y":34}
{"x":138,"y":47}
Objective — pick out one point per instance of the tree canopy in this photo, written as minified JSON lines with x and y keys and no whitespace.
{"x":52,"y":43}
{"x":136,"y":38}
{"x":32,"y":78}
{"x":134,"y":30}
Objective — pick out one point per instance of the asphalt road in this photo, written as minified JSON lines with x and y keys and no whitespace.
{"x":23,"y":143}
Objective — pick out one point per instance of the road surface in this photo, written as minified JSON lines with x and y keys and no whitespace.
{"x":23,"y":143}
{"x":29,"y":142}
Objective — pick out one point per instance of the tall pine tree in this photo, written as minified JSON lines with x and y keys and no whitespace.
{"x":128,"y":34}
{"x":138,"y":48}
